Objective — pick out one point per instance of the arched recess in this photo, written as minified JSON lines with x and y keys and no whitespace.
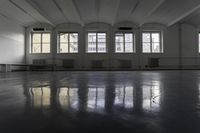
{"x":43,"y":27}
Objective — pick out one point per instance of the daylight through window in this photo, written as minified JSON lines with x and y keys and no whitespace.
{"x":40,"y":43}
{"x":96,"y":43}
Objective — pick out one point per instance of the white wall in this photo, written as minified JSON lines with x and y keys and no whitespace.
{"x":12,"y":46}
{"x":179,"y":42}
{"x":190,"y":45}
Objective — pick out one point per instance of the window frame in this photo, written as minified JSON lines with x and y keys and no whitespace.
{"x":124,"y":42}
{"x":151,"y":42}
{"x":86,"y":50}
{"x":199,"y":42}
{"x":58,"y":46}
{"x":41,"y":43}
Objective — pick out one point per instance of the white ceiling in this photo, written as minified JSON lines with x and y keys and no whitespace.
{"x":54,"y":12}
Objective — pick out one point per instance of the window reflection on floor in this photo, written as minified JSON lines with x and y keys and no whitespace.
{"x":124,"y":97}
{"x":96,"y":99}
{"x":151,"y":97}
{"x":40,"y":97}
{"x":68,"y":98}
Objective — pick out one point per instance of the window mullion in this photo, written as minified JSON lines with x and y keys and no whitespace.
{"x":32,"y":43}
{"x":161,"y":45}
{"x":97,"y":43}
{"x":133,"y":42}
{"x":58,"y":50}
{"x":124,"y":42}
{"x":68,"y":38}
{"x":151,"y":42}
{"x":41,"y":43}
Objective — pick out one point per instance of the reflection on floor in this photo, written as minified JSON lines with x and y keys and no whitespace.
{"x":68,"y":98}
{"x":143,"y":102}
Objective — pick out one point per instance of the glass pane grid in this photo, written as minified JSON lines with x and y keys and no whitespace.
{"x":124,"y":43}
{"x":68,"y":43}
{"x":40,"y":43}
{"x":96,"y":43}
{"x":151,"y":42}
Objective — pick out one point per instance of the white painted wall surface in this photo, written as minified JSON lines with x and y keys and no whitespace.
{"x":12,"y":42}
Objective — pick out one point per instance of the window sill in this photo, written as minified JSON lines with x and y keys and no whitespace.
{"x":153,"y":53}
{"x":39,"y":53}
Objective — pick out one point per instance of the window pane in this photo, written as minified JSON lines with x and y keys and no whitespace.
{"x":119,"y":43}
{"x":128,"y":42}
{"x":101,"y":42}
{"x":102,"y":47}
{"x":46,"y":38}
{"x":73,"y":37}
{"x":101,"y":37}
{"x":119,"y":37}
{"x":128,"y":37}
{"x":129,"y":47}
{"x":91,"y":37}
{"x":156,"y":47}
{"x":91,"y":47}
{"x":46,"y":43}
{"x":63,"y":37}
{"x":36,"y":44}
{"x":68,"y":43}
{"x":146,"y":37}
{"x":36,"y":48}
{"x":155,"y":37}
{"x":46,"y":48}
{"x":73,"y":47}
{"x":36,"y":38}
{"x":64,"y":48}
{"x":146,"y":47}
{"x":119,"y":48}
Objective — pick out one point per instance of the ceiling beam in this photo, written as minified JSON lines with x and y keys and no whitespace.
{"x":116,"y":11}
{"x":61,"y":11}
{"x":97,"y":6}
{"x":184,"y":15}
{"x":78,"y":12}
{"x":20,"y":8}
{"x":41,"y":12}
{"x":153,"y":10}
{"x":134,"y":7}
{"x":13,"y":20}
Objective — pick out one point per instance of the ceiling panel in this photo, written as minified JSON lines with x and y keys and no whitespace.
{"x":51,"y":10}
{"x":12,"y":12}
{"x":168,"y":12}
{"x":173,"y":11}
{"x":125,"y":9}
{"x":108,"y":10}
{"x":193,"y":18}
{"x":26,"y":7}
{"x":143,"y":10}
{"x":70,"y":11}
{"x":88,"y":10}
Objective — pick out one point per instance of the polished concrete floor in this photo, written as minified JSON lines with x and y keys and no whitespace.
{"x":100,"y":102}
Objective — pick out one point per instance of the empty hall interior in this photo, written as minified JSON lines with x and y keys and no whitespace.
{"x":103,"y":66}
